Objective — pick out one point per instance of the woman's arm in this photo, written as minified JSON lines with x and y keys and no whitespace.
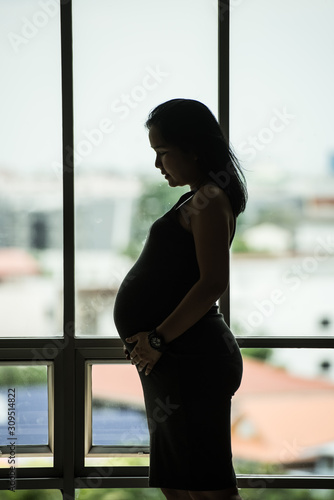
{"x":211,"y":226}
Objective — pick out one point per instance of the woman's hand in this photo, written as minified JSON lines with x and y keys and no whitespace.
{"x":143,"y":354}
{"x":126,"y":352}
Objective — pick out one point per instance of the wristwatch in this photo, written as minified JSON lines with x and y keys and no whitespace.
{"x":157,"y":341}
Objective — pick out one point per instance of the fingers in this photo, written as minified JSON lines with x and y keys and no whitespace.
{"x":135,"y":357}
{"x":132,"y":339}
{"x":141,"y":367}
{"x":135,"y":360}
{"x":141,"y":364}
{"x":142,"y":355}
{"x":126,"y":352}
{"x":137,"y":337}
{"x":148,"y":370}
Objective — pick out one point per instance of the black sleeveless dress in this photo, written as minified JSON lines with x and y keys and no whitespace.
{"x":188,"y":392}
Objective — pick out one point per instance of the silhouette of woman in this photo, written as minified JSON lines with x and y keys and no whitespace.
{"x":165,"y":311}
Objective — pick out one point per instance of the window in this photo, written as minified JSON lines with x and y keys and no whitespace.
{"x":30,"y":187}
{"x":281,"y":129}
{"x":67,"y":238}
{"x":115,"y":87}
{"x":282,"y":258}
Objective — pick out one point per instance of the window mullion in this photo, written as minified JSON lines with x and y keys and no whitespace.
{"x":68,"y":420}
{"x":223,"y":104}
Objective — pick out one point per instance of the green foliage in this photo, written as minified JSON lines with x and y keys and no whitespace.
{"x":31,"y":495}
{"x":257,"y":493}
{"x":263,"y":493}
{"x":121,"y":494}
{"x":156,"y":199}
{"x":14,"y":376}
{"x":239,"y":245}
{"x":248,"y":467}
{"x":263,"y":353}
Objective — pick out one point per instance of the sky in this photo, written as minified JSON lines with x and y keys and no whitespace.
{"x":129,"y":56}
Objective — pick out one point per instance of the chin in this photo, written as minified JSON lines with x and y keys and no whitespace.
{"x":171,"y":182}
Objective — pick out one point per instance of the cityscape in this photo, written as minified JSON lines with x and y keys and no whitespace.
{"x":281,"y":284}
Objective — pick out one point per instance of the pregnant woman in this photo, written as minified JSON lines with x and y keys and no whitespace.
{"x":188,"y":360}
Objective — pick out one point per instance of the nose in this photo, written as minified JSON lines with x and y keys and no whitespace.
{"x":158,"y":161}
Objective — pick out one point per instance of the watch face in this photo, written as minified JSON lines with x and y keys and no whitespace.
{"x":156,"y":342}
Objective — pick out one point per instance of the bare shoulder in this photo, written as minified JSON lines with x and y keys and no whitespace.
{"x":211,"y":208}
{"x":212,"y":197}
{"x":208,"y":207}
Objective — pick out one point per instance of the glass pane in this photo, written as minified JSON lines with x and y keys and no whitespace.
{"x":281,"y":129}
{"x":118,"y":406}
{"x":118,"y":413}
{"x":24,"y":416}
{"x":282,"y":414}
{"x":30,"y":181}
{"x":123,"y":67}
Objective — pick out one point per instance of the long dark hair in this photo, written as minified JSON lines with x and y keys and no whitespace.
{"x":191,"y":126}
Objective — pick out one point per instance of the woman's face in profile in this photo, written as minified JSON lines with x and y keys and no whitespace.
{"x":178,"y":167}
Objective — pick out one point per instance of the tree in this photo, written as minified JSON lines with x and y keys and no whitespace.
{"x":155,"y":200}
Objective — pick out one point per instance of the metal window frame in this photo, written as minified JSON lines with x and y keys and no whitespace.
{"x":17,"y":352}
{"x":137,"y":475}
{"x":70,"y":356}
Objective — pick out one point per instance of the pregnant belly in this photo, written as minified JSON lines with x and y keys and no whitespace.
{"x":144,"y":301}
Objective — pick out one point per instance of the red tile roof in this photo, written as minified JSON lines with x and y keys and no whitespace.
{"x":16,"y":262}
{"x":277,"y":417}
{"x":261,"y":377}
{"x":117,"y":382}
